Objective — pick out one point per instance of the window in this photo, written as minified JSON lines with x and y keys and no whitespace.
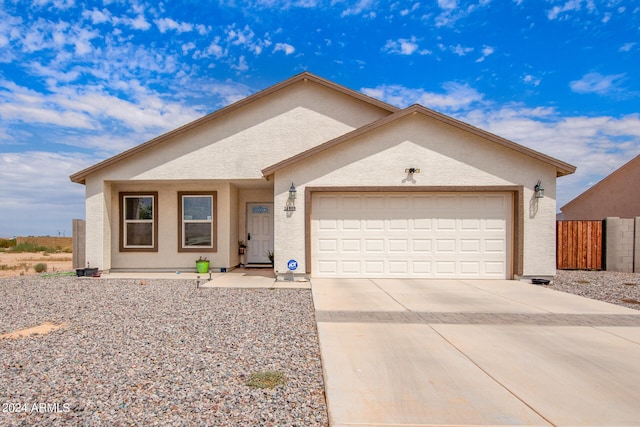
{"x":197,"y":232}
{"x":139,"y":225}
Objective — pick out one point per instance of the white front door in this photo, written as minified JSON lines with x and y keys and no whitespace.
{"x":259,"y":232}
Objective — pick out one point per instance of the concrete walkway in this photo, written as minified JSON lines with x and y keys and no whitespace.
{"x":237,"y":278}
{"x":475,"y":353}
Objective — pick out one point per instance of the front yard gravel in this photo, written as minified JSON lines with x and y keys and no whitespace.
{"x":166,"y":353}
{"x":609,"y":286}
{"x":163,"y":353}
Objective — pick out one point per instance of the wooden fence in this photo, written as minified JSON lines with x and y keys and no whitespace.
{"x":580,"y":245}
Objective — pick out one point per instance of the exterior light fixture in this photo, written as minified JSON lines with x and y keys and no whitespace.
{"x":291,"y":201}
{"x":539,"y":190}
{"x":412,"y":170}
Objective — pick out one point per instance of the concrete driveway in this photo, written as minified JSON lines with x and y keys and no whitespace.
{"x":474,"y":353}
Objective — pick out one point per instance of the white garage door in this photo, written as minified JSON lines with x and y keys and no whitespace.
{"x":434,"y":235}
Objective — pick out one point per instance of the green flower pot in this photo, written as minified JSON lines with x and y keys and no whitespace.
{"x":202,"y":266}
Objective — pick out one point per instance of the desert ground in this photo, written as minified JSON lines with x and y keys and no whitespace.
{"x":22,"y":263}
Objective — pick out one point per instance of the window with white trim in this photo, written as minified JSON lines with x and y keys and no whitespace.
{"x":197,"y":221}
{"x":139,"y":221}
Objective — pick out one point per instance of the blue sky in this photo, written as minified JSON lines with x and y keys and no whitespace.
{"x":82,"y":81}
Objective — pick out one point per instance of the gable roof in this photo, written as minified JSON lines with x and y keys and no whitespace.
{"x":80,"y":177}
{"x":633,"y":163}
{"x":562,"y":168}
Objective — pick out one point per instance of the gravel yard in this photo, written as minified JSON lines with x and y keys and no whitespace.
{"x":163,"y":353}
{"x":615,"y":288}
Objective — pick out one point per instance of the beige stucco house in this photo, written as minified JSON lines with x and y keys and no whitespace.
{"x":617,"y":195}
{"x":379,"y":192}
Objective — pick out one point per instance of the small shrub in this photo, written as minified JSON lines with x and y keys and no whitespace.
{"x":30,"y":247}
{"x":266,"y":379}
{"x":7,"y":243}
{"x":41,"y":267}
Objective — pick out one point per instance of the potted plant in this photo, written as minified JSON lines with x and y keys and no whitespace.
{"x":270,"y":256}
{"x":202,"y":265}
{"x":242,"y":247}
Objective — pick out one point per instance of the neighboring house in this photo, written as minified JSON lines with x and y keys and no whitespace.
{"x":617,"y":195}
{"x":381,"y":192}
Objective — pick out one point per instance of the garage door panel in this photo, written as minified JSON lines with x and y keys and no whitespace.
{"x":398,"y":267}
{"x":470,"y":246}
{"x":445,"y":224}
{"x":328,"y":246}
{"x":374,"y":224}
{"x":398,"y":225}
{"x":470,"y":224}
{"x":328,"y":224}
{"x":398,"y":246}
{"x":351,"y":245}
{"x":351,"y":225}
{"x":422,"y":246}
{"x":374,"y":268}
{"x":422,"y":224}
{"x":374,"y":246}
{"x":470,"y":268}
{"x":495,"y":224}
{"x":445,"y":246}
{"x":421,"y":268}
{"x":411,"y":235}
{"x":494,"y":245}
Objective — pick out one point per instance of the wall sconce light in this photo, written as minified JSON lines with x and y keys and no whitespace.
{"x":291,"y":201}
{"x":539,"y":190}
{"x":411,"y":170}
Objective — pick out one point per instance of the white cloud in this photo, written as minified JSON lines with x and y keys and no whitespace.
{"x":596,"y":145}
{"x":284,"y":47}
{"x":486,"y":51}
{"x":461,"y":50}
{"x":597,"y":83}
{"x":627,"y":47}
{"x":138,"y":23}
{"x":531,"y":79}
{"x":406,"y":11}
{"x":447,"y":4}
{"x":38,"y":197}
{"x":362,"y":7}
{"x":455,"y":97}
{"x":97,"y":16}
{"x":216,"y":49}
{"x":92,"y":109}
{"x":241,"y":65}
{"x":569,"y":6}
{"x":166,"y":24}
{"x":404,"y":47}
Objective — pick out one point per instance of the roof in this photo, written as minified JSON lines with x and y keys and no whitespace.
{"x":562,"y":168}
{"x":80,"y":177}
{"x":633,"y":163}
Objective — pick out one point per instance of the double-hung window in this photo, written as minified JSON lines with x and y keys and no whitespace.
{"x":197,"y":232}
{"x":139,"y":222}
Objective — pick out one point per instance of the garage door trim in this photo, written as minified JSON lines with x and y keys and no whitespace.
{"x":518,"y":211}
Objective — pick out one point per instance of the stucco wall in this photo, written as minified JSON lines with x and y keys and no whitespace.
{"x":618,"y":195}
{"x":241,"y":143}
{"x":446,"y":156}
{"x":168,"y":256}
{"x":233,"y":148}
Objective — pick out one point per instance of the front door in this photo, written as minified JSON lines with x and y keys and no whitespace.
{"x":259,"y":232}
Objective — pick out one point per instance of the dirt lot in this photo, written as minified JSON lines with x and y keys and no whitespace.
{"x":22,"y":263}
